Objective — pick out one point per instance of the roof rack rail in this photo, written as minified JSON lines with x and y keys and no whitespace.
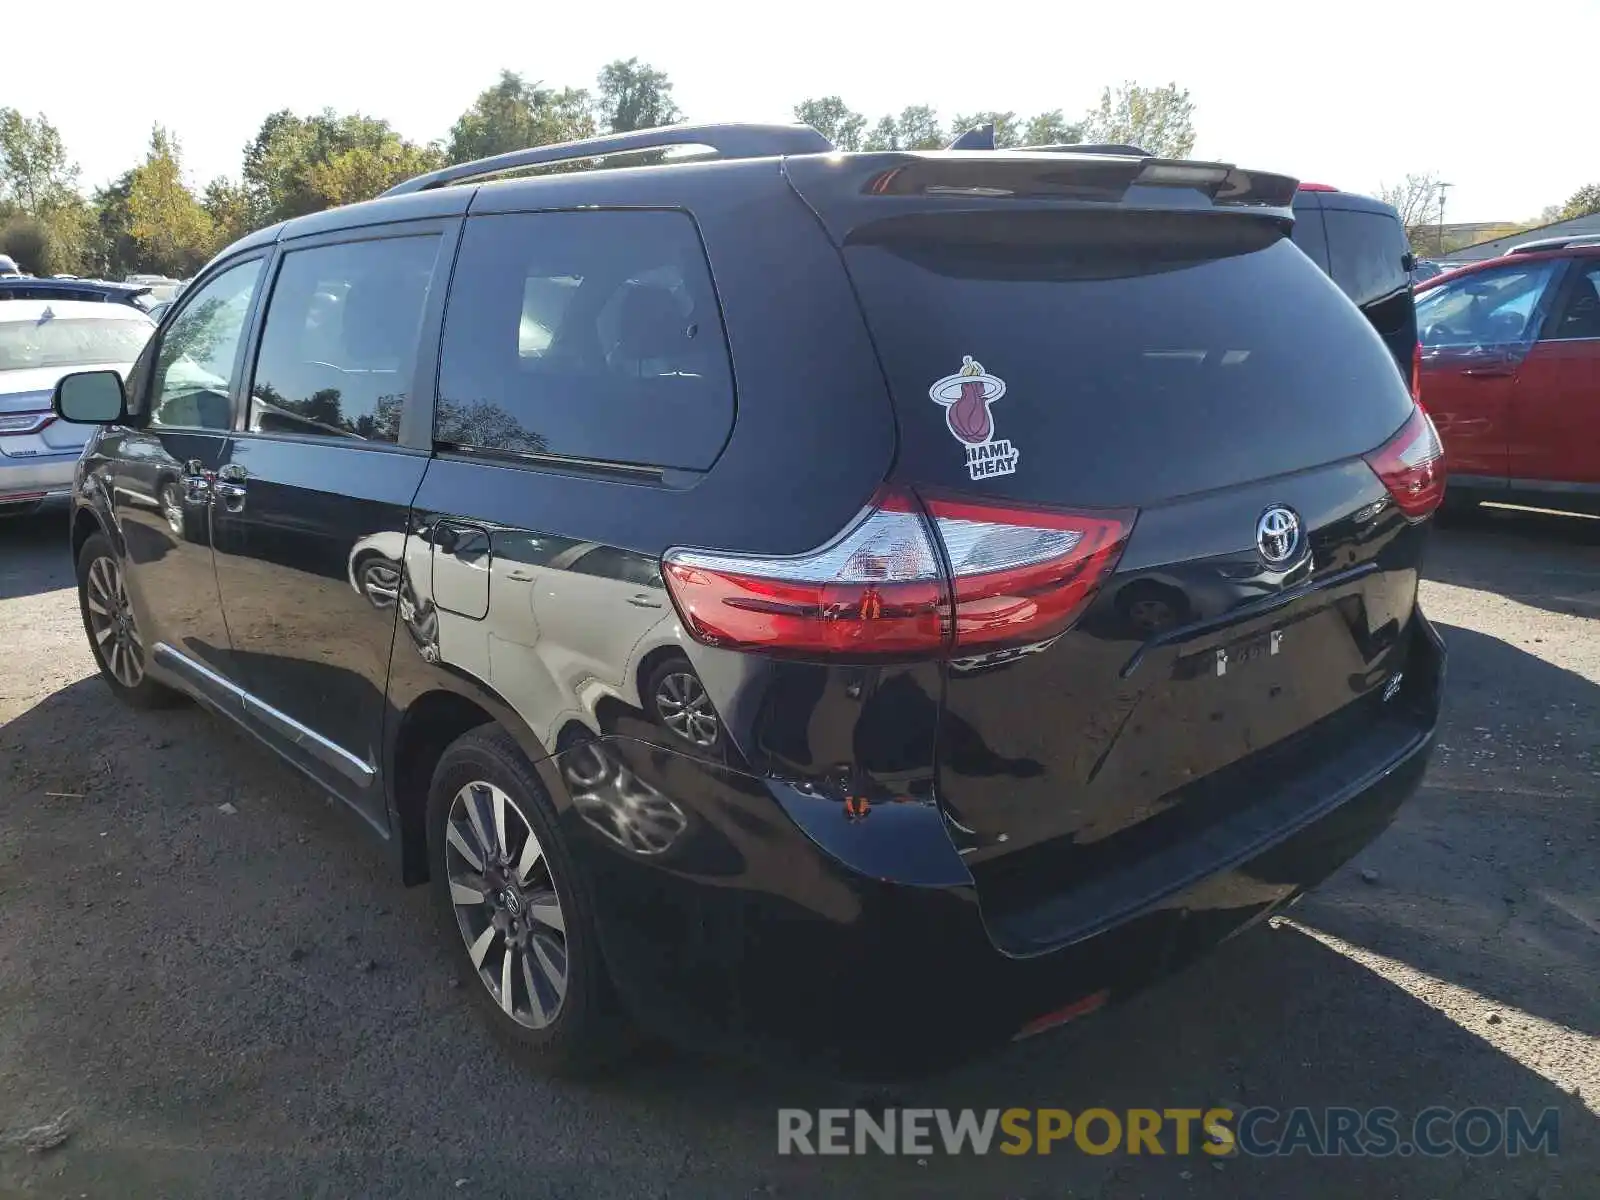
{"x":1556,"y":243}
{"x":731,"y":140}
{"x":1090,"y":148}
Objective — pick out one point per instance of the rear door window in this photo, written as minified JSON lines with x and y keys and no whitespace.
{"x":1366,"y":252}
{"x":1309,"y":234}
{"x":1116,"y":358}
{"x":585,"y":335}
{"x":1579,"y":317}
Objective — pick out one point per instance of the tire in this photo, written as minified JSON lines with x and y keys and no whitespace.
{"x":120,"y":650}
{"x":571,"y":1030}
{"x":676,"y":700}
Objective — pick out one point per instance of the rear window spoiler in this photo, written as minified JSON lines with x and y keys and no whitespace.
{"x":850,"y":189}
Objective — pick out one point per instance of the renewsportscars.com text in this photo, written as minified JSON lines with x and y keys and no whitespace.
{"x":1254,"y":1132}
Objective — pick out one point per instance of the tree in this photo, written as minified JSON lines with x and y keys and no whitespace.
{"x":1160,"y":119}
{"x":172,"y":232}
{"x":297,"y":165}
{"x":1006,"y":130}
{"x":514,"y":114}
{"x":630,"y":94}
{"x":919,"y":128}
{"x":833,"y":119}
{"x":35,"y":174}
{"x":363,"y":172}
{"x":1582,"y":202}
{"x":1051,"y":129}
{"x":28,"y":242}
{"x":1419,"y":200}
{"x":228,"y":205}
{"x":885,"y":135}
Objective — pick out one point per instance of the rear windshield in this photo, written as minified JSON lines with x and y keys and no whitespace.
{"x":70,"y":342}
{"x":1116,"y":358}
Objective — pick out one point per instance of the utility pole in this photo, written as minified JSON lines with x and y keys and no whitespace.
{"x":1439,"y":248}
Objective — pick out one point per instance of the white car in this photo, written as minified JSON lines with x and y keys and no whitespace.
{"x":40,"y":341}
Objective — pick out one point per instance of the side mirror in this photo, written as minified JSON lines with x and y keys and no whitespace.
{"x":90,"y":398}
{"x":1408,"y":262}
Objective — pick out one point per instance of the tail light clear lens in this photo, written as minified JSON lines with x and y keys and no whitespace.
{"x":880,"y":589}
{"x":1412,"y":466}
{"x":25,"y":422}
{"x":1023,"y":575}
{"x":876,"y":590}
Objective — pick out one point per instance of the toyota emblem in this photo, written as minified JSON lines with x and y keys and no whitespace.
{"x":1278,"y":535}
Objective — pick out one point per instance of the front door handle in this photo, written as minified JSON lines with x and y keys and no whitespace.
{"x":230,"y":486}
{"x":643,"y":601}
{"x":1493,"y":370}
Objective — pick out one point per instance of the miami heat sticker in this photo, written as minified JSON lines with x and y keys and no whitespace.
{"x":966,"y":397}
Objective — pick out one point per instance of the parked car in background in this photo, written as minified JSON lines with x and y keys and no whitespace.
{"x":1511,"y":374}
{"x":139,"y":296}
{"x":8,"y":267}
{"x":1425,"y":270}
{"x":1362,"y":245}
{"x":1100,"y":644}
{"x":40,"y":341}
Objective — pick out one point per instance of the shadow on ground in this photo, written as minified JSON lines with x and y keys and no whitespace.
{"x":34,"y":554}
{"x":248,"y":1003}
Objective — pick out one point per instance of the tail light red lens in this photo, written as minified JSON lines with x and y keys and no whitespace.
{"x":1023,"y":575}
{"x":1318,"y":187}
{"x":881,"y":589}
{"x":1412,"y":466}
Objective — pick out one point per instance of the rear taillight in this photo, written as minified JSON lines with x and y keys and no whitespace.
{"x":25,"y":422}
{"x":1416,"y":373}
{"x":1318,"y":187}
{"x":882,"y":589}
{"x":1023,"y":575}
{"x":1411,"y":465}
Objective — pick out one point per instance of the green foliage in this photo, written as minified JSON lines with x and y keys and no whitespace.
{"x":173,"y":234}
{"x":35,"y":174}
{"x":1159,"y":119}
{"x":919,"y":129}
{"x":633,"y":95}
{"x":27,"y":240}
{"x":1581,"y":203}
{"x":228,"y":206}
{"x":885,"y":135}
{"x":514,"y":114}
{"x":297,"y":165}
{"x":1051,"y":129}
{"x":833,"y":119}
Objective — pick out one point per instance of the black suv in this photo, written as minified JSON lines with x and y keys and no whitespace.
{"x":856,"y":608}
{"x":1362,"y":244}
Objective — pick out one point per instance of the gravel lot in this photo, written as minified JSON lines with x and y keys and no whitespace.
{"x":250,"y":1004}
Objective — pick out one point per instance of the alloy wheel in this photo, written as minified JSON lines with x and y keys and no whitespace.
{"x":111,"y":622}
{"x":172,"y":508}
{"x":686,"y":709}
{"x":506,"y":903}
{"x":380,"y":580}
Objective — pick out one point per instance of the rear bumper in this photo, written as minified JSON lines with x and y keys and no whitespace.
{"x":751,"y":937}
{"x":27,"y":479}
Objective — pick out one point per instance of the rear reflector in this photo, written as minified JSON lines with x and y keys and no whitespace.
{"x":1416,"y":373}
{"x":1016,"y":576}
{"x":1412,"y":466}
{"x":25,"y":422}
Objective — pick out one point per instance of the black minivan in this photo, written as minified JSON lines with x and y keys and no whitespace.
{"x":854,"y":609}
{"x":1362,"y":244}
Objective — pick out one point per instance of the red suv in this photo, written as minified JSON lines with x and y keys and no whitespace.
{"x":1511,"y":372}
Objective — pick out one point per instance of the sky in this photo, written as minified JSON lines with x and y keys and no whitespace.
{"x":1356,"y":93}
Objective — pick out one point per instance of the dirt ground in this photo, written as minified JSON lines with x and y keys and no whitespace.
{"x":249,"y":1003}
